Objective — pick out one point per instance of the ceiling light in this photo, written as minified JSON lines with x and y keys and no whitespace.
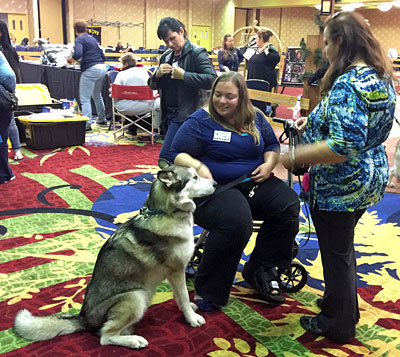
{"x":396,"y":3}
{"x":386,"y":6}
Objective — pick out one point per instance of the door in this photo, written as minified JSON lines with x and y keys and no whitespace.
{"x":51,"y":23}
{"x":202,"y":36}
{"x":18,"y":26}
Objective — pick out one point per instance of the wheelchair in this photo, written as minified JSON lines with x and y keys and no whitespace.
{"x":290,"y":280}
{"x":294,"y":278}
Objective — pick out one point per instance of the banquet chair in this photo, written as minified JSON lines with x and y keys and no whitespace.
{"x":140,"y":121}
{"x":259,"y":84}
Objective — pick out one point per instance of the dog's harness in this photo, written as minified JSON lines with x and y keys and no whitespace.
{"x":147,"y":212}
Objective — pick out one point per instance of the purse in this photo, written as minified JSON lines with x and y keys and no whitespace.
{"x":8,"y":100}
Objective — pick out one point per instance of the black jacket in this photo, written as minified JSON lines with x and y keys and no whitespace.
{"x":199,"y":76}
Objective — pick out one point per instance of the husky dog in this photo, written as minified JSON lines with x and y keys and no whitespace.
{"x":156,"y":244}
{"x":395,"y":170}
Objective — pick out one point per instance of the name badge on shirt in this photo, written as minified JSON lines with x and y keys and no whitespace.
{"x":220,"y":135}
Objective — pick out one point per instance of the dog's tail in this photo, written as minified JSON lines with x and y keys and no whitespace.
{"x":37,"y":328}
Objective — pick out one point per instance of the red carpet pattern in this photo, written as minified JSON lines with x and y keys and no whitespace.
{"x":63,"y":205}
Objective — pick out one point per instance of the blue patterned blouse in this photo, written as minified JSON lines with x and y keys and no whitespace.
{"x":355,"y":118}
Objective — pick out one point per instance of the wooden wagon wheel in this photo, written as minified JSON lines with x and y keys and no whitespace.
{"x":247,"y":32}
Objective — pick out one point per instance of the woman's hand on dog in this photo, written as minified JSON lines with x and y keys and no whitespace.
{"x":205,"y":172}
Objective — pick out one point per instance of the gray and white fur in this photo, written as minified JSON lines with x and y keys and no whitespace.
{"x":156,"y":244}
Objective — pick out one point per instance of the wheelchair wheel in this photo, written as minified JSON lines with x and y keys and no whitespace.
{"x":292,"y":279}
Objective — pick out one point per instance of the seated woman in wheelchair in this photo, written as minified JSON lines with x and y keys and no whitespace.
{"x":224,"y":142}
{"x":131,"y":75}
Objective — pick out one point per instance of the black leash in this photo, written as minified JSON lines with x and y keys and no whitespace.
{"x":222,"y":188}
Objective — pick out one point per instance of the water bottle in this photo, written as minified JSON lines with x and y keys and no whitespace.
{"x":297,"y":109}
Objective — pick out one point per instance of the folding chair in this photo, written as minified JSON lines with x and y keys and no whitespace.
{"x":132,"y":93}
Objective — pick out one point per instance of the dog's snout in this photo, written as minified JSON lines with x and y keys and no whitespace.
{"x":214,"y":183}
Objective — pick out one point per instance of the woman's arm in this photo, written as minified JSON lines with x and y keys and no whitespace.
{"x":311,"y":154}
{"x":184,"y":159}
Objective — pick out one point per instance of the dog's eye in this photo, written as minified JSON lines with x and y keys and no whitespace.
{"x":196,"y":177}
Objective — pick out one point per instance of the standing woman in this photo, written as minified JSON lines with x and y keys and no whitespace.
{"x":262,"y":64}
{"x":12,"y":57}
{"x":345,"y":135}
{"x":182,"y":79}
{"x":229,"y":57}
{"x":7,"y":80}
{"x":93,"y":72}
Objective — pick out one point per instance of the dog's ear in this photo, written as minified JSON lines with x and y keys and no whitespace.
{"x":168,"y":178}
{"x":163,"y":163}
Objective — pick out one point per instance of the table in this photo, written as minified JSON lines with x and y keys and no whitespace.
{"x":61,"y":82}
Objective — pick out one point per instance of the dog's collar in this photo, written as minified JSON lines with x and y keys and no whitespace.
{"x":146,"y":211}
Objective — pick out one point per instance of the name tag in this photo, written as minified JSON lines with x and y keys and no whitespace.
{"x":222,"y":136}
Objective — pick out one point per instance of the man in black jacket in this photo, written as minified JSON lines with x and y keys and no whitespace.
{"x":184,"y":75}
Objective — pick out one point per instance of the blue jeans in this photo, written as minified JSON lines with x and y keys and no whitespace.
{"x":173,"y":125}
{"x":90,"y":86}
{"x":13,"y":134}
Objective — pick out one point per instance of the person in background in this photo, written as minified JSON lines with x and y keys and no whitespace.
{"x":344,"y":137}
{"x":119,"y":48}
{"x":25,"y":42}
{"x":184,"y":75}
{"x":93,"y":72}
{"x":7,"y":80}
{"x":262,"y":64}
{"x":131,"y":75}
{"x":229,"y":57}
{"x":13,"y":60}
{"x":13,"y":40}
{"x":227,"y":141}
{"x":129,"y":48}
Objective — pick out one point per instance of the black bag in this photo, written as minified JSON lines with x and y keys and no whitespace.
{"x":8,"y":100}
{"x":291,"y":133}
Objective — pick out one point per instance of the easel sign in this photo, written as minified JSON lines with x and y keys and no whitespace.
{"x":294,"y":68}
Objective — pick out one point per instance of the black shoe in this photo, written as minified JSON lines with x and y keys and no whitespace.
{"x":88,"y":127}
{"x":102,"y":122}
{"x":310,"y":324}
{"x":265,"y":282}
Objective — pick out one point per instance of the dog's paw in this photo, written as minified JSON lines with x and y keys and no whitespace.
{"x":138,"y":342}
{"x":194,"y":306}
{"x":196,"y":320}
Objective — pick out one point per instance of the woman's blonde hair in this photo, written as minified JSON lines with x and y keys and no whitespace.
{"x":245,"y":112}
{"x":357,"y":43}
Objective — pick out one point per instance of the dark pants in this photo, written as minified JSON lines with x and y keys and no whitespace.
{"x":229,"y":219}
{"x":339,"y":313}
{"x":5,"y":170}
{"x":172,"y":124}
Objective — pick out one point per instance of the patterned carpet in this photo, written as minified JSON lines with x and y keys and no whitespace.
{"x":65,"y":203}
